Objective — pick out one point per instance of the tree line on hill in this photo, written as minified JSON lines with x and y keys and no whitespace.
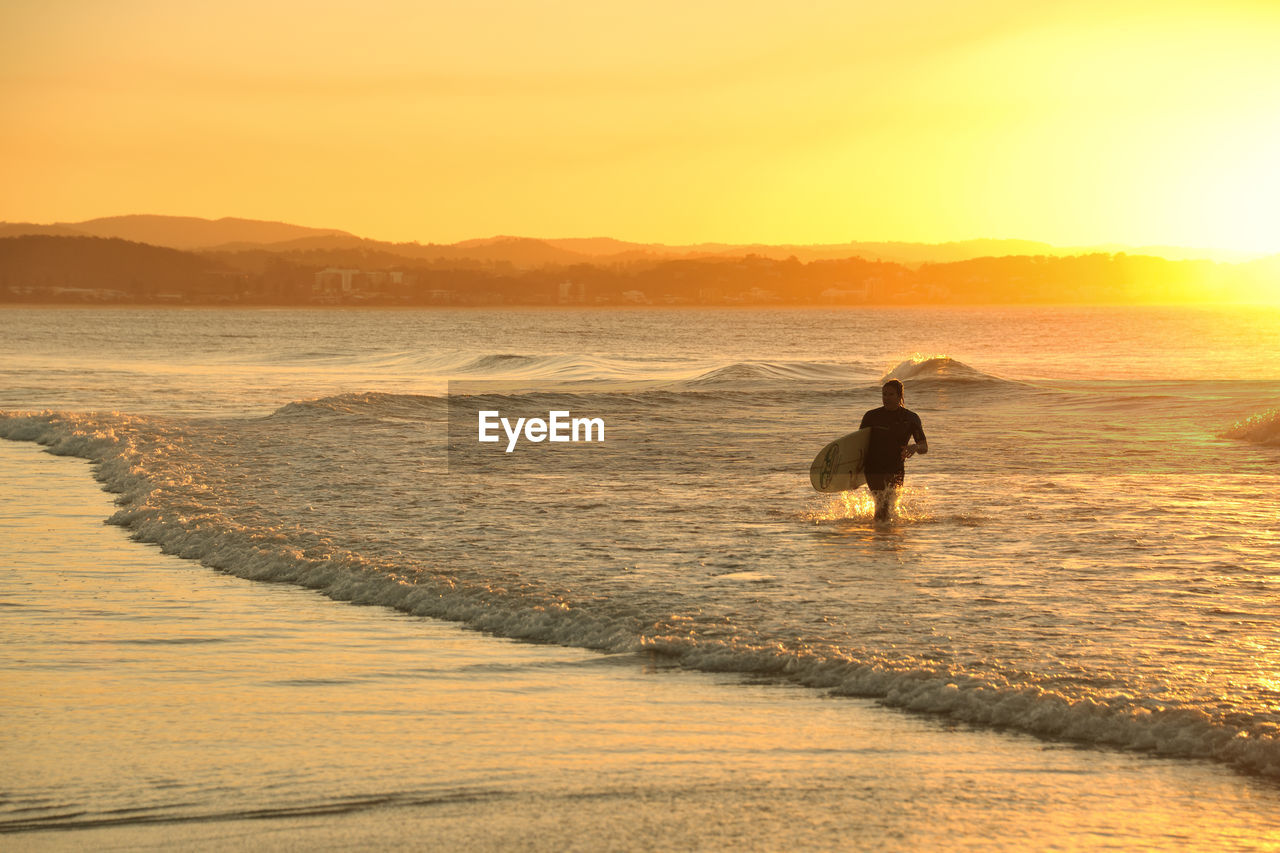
{"x":44,"y":268}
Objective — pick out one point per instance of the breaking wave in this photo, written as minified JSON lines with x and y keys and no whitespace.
{"x":938,"y":369}
{"x":1262,"y":429}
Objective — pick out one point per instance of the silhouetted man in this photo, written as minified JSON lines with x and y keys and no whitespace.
{"x":892,"y":428}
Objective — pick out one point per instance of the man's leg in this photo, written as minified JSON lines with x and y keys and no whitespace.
{"x":884,"y":491}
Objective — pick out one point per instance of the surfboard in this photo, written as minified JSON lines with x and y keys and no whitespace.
{"x":838,"y":467}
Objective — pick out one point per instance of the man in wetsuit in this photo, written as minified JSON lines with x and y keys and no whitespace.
{"x":892,"y":428}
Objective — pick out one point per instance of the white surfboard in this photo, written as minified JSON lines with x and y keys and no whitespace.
{"x":838,"y":467}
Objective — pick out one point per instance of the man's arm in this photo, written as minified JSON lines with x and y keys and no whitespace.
{"x":921,"y":445}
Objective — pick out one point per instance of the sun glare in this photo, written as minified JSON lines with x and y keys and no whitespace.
{"x":1244,"y":203}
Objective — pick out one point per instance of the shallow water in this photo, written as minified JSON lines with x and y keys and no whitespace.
{"x":1088,"y":552}
{"x":151,"y":703}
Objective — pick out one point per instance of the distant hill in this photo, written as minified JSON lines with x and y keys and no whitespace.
{"x":108,"y":268}
{"x":242,"y":235}
{"x":529,"y":253}
{"x":176,"y":232}
{"x":521,"y":252}
{"x":47,"y":267}
{"x":246,"y":235}
{"x":911,"y":254}
{"x":24,"y":229}
{"x":1171,"y":253}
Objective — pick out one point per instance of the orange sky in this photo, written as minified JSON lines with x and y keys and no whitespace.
{"x":1074,"y":123}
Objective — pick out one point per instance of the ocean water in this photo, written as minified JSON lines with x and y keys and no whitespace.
{"x":1089,"y":554}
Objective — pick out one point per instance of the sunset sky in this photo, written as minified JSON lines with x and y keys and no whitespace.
{"x":724,"y":120}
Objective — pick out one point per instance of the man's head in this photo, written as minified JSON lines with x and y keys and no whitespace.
{"x":892,"y":394}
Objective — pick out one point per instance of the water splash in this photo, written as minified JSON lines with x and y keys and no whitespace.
{"x":910,"y":506}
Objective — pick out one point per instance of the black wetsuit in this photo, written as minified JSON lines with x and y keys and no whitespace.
{"x":891,"y":430}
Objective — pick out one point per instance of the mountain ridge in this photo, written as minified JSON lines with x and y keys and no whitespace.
{"x":233,"y":234}
{"x":61,"y":268}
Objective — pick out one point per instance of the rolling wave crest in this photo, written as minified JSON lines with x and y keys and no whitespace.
{"x":1262,"y":429}
{"x":937,"y":369}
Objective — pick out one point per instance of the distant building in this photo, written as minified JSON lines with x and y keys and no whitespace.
{"x":334,"y":285}
{"x":334,"y":282}
{"x":572,"y":293}
{"x":844,"y":293}
{"x":759,"y":295}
